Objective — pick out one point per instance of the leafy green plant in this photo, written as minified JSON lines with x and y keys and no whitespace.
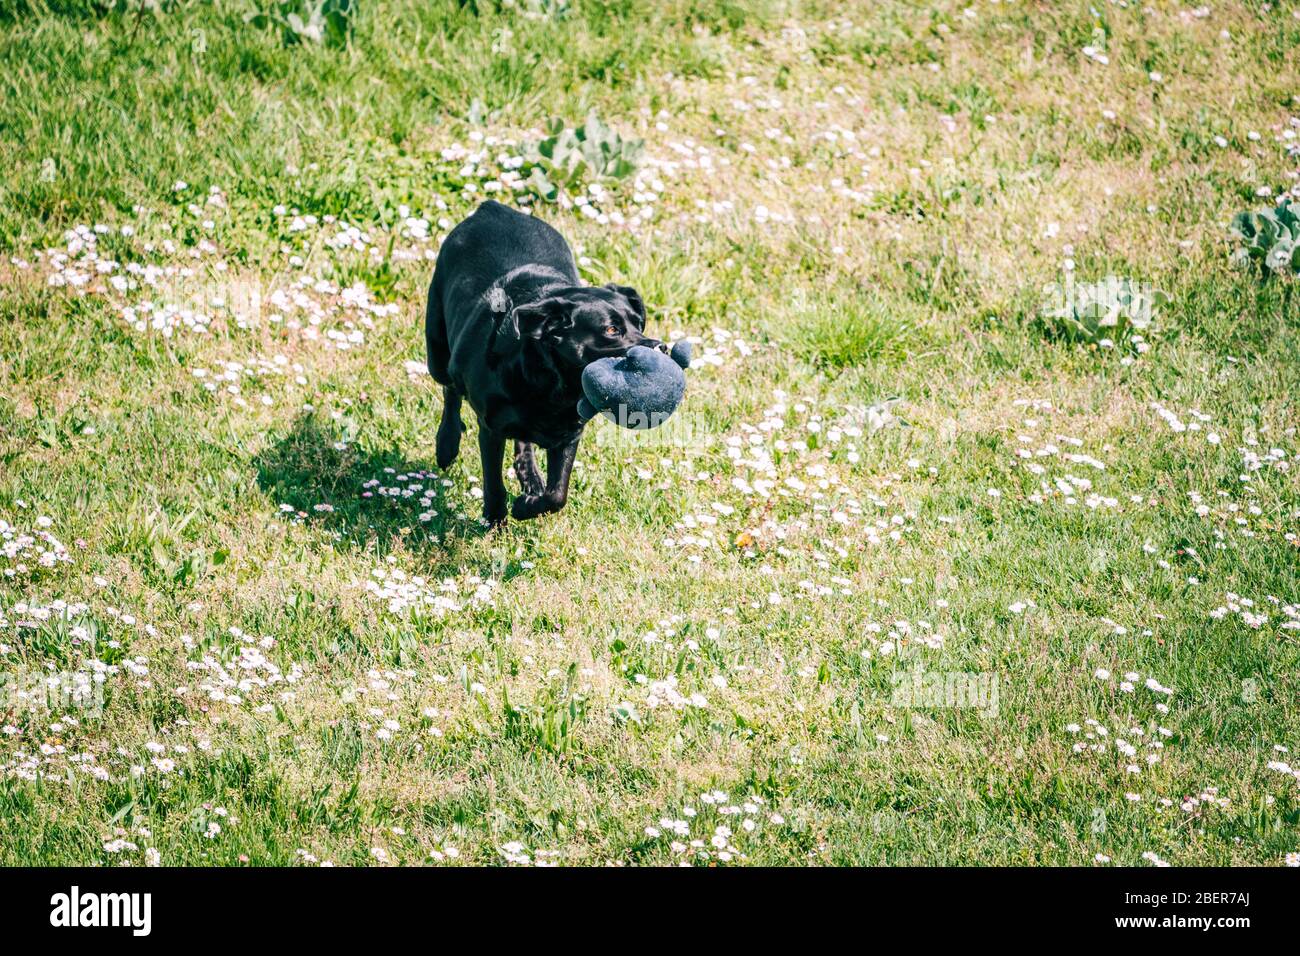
{"x":1270,"y":237}
{"x":1116,"y":310}
{"x":314,"y":21}
{"x":566,"y":158}
{"x":550,"y":721}
{"x":187,"y":568}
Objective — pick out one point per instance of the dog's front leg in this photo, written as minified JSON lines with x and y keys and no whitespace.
{"x":492,"y":449}
{"x":559,"y":466}
{"x":530,"y":480}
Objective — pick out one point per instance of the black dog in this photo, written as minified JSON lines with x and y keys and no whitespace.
{"x":510,"y":327}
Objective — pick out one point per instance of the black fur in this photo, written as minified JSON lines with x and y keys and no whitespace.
{"x":509,"y":328}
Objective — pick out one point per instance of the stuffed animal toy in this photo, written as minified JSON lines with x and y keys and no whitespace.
{"x":639,"y":390}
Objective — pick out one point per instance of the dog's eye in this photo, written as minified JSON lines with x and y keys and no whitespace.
{"x":611,"y":330}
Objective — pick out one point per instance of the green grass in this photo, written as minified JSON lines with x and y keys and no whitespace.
{"x":312,"y":650}
{"x":845,"y":328}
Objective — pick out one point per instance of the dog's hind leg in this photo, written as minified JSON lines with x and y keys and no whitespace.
{"x":438,"y":354}
{"x":530,"y":479}
{"x":449,"y":429}
{"x":437,"y":350}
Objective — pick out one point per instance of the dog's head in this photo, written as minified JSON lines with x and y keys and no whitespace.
{"x":577,"y":326}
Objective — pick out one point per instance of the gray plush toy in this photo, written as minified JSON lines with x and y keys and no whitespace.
{"x":639,"y":390}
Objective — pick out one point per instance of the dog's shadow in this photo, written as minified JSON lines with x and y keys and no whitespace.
{"x":365,"y":498}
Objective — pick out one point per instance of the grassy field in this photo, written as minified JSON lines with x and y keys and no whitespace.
{"x":916,"y":575}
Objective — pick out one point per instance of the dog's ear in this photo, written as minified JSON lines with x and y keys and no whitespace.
{"x":634,"y":299}
{"x":537,"y":320}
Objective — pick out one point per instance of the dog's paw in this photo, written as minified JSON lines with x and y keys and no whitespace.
{"x":530,"y":479}
{"x":525,"y":507}
{"x":494,"y":515}
{"x":447,"y":447}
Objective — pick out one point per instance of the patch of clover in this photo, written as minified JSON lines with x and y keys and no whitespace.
{"x":1131,"y":741}
{"x":402,"y":594}
{"x":666,"y":693}
{"x":901,"y":637}
{"x":1281,"y":766}
{"x":1256,"y":615}
{"x":238,"y":673}
{"x":121,"y":846}
{"x":161,"y":287}
{"x":714,"y":829}
{"x":53,"y":706}
{"x":396,"y":488}
{"x":789,"y":483}
{"x":390,"y":706}
{"x":268,"y":375}
{"x":27,"y":552}
{"x":52,"y":748}
{"x":517,"y":854}
{"x":1274,"y":459}
{"x":76,"y":638}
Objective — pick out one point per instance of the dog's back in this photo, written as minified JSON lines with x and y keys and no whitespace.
{"x":495,"y":241}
